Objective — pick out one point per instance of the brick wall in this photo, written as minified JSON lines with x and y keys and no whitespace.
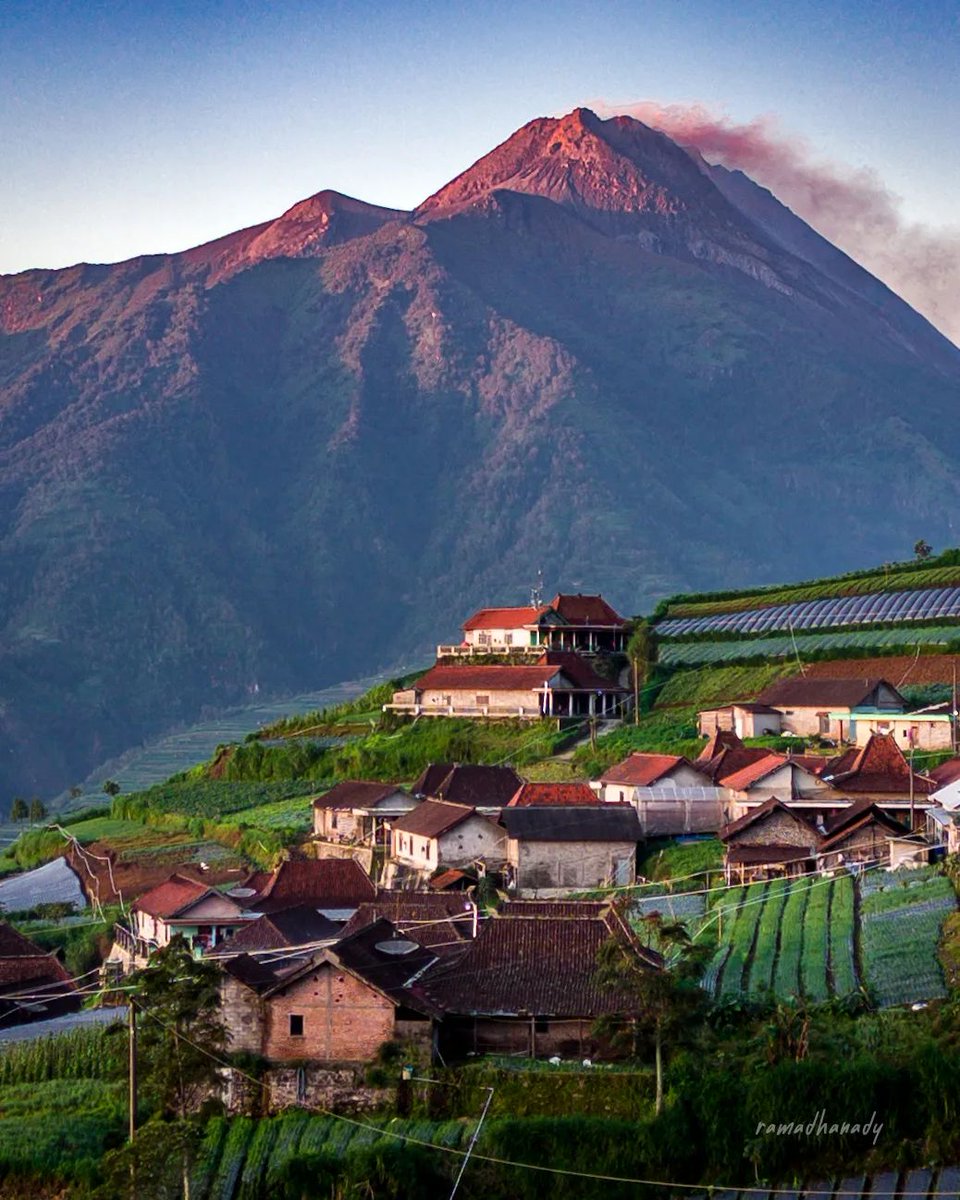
{"x":344,"y":1020}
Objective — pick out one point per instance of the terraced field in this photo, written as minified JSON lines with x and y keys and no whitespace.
{"x":783,"y":645}
{"x":800,"y":938}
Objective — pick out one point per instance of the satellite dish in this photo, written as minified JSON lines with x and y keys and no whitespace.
{"x":397,"y":946}
{"x":242,"y":893}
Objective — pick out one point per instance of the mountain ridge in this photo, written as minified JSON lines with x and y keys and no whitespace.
{"x":300,"y":452}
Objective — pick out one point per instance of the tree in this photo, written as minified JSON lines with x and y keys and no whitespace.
{"x":642,"y":653}
{"x":181,"y":1042}
{"x":38,"y":810}
{"x":923,"y":550}
{"x":111,"y":787}
{"x":657,"y":1002}
{"x":181,"y":1030}
{"x":18,"y":809}
{"x":76,"y":792}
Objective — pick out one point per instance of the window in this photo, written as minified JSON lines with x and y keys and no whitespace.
{"x":296,"y":1025}
{"x":483,"y":701}
{"x":541,"y":1025}
{"x":508,"y":639}
{"x":824,"y":722}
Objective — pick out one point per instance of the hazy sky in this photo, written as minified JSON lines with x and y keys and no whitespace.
{"x":132,"y":127}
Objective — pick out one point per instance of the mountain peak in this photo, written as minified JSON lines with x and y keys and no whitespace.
{"x":322,"y":220}
{"x":605,"y":170}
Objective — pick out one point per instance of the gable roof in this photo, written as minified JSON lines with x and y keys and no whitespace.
{"x":730,"y":760}
{"x":744,"y":777}
{"x":947,"y":772}
{"x":486,"y":678}
{"x":391,"y":974}
{"x":321,"y":883}
{"x":553,"y":794}
{"x":25,"y":964}
{"x":476,"y":784}
{"x":566,"y":823}
{"x":435,"y":817}
{"x":585,"y":610}
{"x":534,"y":966}
{"x":431,"y":777}
{"x":172,"y":896}
{"x":761,"y":813}
{"x":502,"y":618}
{"x":802,"y":692}
{"x":642,"y":770}
{"x":355,"y":793}
{"x":720,"y":740}
{"x":878,"y":767}
{"x":862,"y":812}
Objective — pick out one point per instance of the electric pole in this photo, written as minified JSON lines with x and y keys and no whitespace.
{"x":132,"y":1028}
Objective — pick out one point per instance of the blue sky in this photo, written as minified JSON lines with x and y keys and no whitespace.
{"x":133,"y":127}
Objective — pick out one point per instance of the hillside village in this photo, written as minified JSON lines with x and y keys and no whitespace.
{"x":462,"y":915}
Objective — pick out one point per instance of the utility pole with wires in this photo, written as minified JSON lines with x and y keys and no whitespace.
{"x":132,"y":1067}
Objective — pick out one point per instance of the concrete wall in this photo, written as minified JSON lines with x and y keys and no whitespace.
{"x":334,"y":824}
{"x":344,"y":1019}
{"x":471,"y":839}
{"x":521,"y":701}
{"x":927,"y":735}
{"x":540,"y":866}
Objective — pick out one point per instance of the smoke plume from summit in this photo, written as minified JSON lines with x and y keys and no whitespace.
{"x":851,"y":207}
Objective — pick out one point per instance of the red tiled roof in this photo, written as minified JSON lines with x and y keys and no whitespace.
{"x":486,"y":678}
{"x":433,"y":818}
{"x":740,"y":779}
{"x":727,"y":762}
{"x":502,"y":618}
{"x":553,"y":794}
{"x":23,"y":963}
{"x":169,"y":897}
{"x":722,"y":739}
{"x":947,"y":772}
{"x":355,"y":793}
{"x":642,"y":770}
{"x":877,"y":768}
{"x":450,"y":879}
{"x":323,"y":883}
{"x":585,"y":610}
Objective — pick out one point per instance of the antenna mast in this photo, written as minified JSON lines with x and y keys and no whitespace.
{"x":536,"y":592}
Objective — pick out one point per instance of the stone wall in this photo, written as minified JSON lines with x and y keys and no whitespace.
{"x":779,"y":829}
{"x":339,"y":1088}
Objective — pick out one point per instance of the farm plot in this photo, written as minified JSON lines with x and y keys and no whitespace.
{"x":684,"y":906}
{"x":783,"y":645}
{"x":901,"y":927}
{"x":788,"y":938}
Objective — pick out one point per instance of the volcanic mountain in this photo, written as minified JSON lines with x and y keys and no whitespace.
{"x":306,"y":450}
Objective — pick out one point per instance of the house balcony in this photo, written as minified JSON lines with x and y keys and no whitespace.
{"x":530,"y":712}
{"x":467,"y":650}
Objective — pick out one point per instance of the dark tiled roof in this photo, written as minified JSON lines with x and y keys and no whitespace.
{"x":556,"y":909}
{"x":441,"y":921}
{"x":355,"y":793}
{"x":877,"y":768}
{"x":642,"y":770}
{"x":731,"y":760}
{"x":431,"y":777}
{"x":475,"y":784}
{"x":553,"y":794}
{"x":861,"y":812}
{"x":251,"y":973}
{"x":580,"y":673}
{"x":947,"y":772}
{"x":392,"y":974}
{"x":433,"y":817}
{"x":597,"y":823}
{"x":800,"y":692}
{"x":758,"y":855}
{"x":24,"y":964}
{"x":13,"y":943}
{"x":486,"y":678}
{"x":538,"y":967}
{"x":276,"y":931}
{"x":585,"y":610}
{"x":321,"y":883}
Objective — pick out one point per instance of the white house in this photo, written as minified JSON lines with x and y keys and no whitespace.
{"x":438,"y":834}
{"x":670,"y":794}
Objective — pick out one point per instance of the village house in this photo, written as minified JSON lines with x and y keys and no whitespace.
{"x":585,"y":624}
{"x":831,"y":708}
{"x":476,"y":785}
{"x":671,"y":795}
{"x":745,"y":718}
{"x":929,"y":730}
{"x":557,"y":684}
{"x":36,"y":985}
{"x":860,"y":834}
{"x":527,"y":983}
{"x":359,"y":812}
{"x":769,"y":841}
{"x":340,"y":1004}
{"x":794,"y":779}
{"x":880,"y":770}
{"x":439,"y":834}
{"x":554,"y":850}
{"x":180,"y":905}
